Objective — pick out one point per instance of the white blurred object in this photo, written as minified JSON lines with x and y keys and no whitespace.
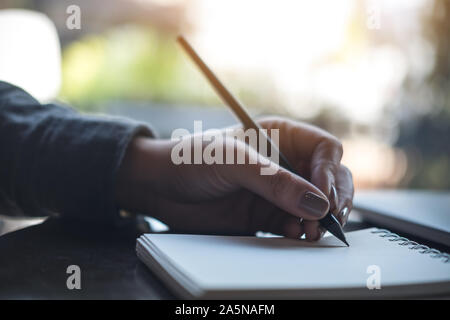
{"x":30,"y":53}
{"x":156,"y":225}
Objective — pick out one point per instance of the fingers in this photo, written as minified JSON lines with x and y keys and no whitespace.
{"x":325,"y":162}
{"x":279,"y":222}
{"x":345,"y":191}
{"x":293,"y":194}
{"x":312,"y":230}
{"x":341,"y":202}
{"x":298,"y":140}
{"x":333,"y":198}
{"x":309,"y":144}
{"x":286,"y":190}
{"x":276,"y":221}
{"x":325,"y":168}
{"x":303,"y":143}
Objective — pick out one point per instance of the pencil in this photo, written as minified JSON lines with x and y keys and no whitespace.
{"x":329,"y":222}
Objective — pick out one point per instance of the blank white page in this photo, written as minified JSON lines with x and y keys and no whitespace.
{"x":250,"y":263}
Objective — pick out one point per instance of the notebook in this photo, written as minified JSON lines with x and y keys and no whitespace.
{"x":424,"y":214}
{"x":231,"y":267}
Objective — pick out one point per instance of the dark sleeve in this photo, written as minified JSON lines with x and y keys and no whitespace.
{"x":55,"y":161}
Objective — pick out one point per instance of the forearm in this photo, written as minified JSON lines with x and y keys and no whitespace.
{"x":54,"y":160}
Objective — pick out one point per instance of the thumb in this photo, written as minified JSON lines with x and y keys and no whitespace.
{"x":283,"y":188}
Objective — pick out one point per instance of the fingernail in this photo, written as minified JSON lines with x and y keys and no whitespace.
{"x":333,"y":198}
{"x":314,"y":204}
{"x":344,"y":215}
{"x":334,"y":192}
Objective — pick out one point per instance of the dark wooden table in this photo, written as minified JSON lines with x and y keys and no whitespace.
{"x":34,"y":261}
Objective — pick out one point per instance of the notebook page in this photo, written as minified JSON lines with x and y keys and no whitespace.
{"x":241,"y":263}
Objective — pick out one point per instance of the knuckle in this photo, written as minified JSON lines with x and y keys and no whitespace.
{"x":331,"y":151}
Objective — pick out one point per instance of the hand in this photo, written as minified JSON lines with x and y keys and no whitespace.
{"x":236,"y":198}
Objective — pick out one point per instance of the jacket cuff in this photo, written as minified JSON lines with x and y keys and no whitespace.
{"x":83,"y":154}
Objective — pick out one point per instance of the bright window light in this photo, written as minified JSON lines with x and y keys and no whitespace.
{"x":30,"y":54}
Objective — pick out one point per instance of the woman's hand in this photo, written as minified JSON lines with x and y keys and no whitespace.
{"x":237,"y":198}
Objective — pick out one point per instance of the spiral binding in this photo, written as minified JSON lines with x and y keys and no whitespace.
{"x":412,"y":245}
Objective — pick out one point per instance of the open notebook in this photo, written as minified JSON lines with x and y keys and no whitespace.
{"x":210,"y":267}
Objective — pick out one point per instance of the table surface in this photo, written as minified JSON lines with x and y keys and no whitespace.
{"x":34,"y":261}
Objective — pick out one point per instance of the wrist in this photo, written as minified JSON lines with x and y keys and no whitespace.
{"x":136,"y":175}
